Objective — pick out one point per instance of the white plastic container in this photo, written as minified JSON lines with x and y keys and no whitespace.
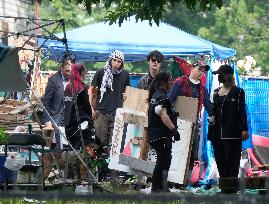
{"x":83,"y":190}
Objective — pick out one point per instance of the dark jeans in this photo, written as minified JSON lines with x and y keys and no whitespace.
{"x":227,"y":154}
{"x":163,"y":150}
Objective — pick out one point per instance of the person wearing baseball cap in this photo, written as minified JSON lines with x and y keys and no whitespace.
{"x":191,"y":86}
{"x":224,"y":69}
{"x":228,"y":124}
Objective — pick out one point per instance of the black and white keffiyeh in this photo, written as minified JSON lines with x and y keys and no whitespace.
{"x":107,"y":80}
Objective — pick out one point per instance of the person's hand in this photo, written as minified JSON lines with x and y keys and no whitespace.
{"x":175,"y":134}
{"x":124,"y":96}
{"x":244,"y":135}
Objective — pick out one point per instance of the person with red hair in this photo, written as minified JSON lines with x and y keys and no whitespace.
{"x":84,"y":108}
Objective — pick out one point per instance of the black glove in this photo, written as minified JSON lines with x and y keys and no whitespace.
{"x":175,"y":134}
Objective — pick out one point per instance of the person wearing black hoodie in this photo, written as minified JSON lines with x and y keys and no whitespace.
{"x":228,"y":124}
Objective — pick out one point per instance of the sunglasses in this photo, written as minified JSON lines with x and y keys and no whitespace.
{"x":156,"y":60}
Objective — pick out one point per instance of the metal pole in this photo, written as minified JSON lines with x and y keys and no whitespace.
{"x":90,"y":175}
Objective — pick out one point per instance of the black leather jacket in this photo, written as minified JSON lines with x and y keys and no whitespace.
{"x":230,"y":115}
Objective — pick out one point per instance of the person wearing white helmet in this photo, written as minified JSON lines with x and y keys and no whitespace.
{"x":107,"y":94}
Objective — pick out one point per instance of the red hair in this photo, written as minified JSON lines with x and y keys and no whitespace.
{"x":77,"y":70}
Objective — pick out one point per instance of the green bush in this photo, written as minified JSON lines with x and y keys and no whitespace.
{"x":3,"y":136}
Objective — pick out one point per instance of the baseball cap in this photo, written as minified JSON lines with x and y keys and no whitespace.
{"x":201,"y":63}
{"x":224,"y":69}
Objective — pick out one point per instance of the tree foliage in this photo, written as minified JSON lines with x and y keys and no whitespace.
{"x":243,"y":25}
{"x":151,"y":10}
{"x":75,"y":15}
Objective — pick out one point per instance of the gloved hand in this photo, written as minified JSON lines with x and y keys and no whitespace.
{"x":175,"y":134}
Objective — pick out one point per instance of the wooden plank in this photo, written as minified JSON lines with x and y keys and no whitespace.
{"x":12,"y":102}
{"x":20,"y":109}
{"x":264,"y":166}
{"x":144,"y":146}
{"x":6,"y":109}
{"x":10,"y":117}
{"x":139,"y":120}
{"x":189,"y":154}
{"x":187,"y":107}
{"x":136,"y":99}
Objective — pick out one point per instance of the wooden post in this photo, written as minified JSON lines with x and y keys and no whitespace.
{"x":144,"y":146}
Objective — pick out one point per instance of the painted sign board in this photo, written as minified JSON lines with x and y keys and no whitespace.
{"x":123,"y":135}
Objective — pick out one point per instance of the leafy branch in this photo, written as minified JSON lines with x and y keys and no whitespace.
{"x":151,"y":10}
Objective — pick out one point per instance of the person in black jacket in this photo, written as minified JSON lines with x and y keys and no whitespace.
{"x":228,"y":124}
{"x":84,"y":109}
{"x":161,"y":130}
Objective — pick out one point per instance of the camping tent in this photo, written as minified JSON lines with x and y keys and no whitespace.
{"x":95,"y":41}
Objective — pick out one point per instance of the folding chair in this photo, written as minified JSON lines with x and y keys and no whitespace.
{"x":27,"y":140}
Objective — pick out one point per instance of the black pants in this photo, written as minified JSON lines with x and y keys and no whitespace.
{"x":227,"y":154}
{"x":163,"y":150}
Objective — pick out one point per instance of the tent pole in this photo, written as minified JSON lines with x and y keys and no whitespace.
{"x":90,"y":175}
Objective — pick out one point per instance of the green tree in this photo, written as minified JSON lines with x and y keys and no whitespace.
{"x":142,"y":9}
{"x":75,"y":15}
{"x":243,"y":25}
{"x":189,"y":20}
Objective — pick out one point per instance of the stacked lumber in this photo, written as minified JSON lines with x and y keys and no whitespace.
{"x":13,"y":113}
{"x":12,"y":110}
{"x":10,"y":126}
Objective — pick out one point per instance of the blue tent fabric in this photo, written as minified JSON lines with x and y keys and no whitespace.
{"x":94,"y":42}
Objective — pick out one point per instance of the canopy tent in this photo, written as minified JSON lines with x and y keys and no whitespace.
{"x":95,"y":41}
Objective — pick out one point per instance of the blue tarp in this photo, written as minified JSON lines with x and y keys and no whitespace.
{"x":95,"y":41}
{"x":257,"y":99}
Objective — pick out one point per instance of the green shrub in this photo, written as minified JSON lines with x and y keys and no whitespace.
{"x":3,"y":136}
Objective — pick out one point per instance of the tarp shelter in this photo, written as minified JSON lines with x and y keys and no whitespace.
{"x":11,"y":76}
{"x":95,"y":41}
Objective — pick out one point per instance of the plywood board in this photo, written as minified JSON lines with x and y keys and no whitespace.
{"x":137,"y":164}
{"x":182,"y":151}
{"x":187,"y":107}
{"x":136,"y":99}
